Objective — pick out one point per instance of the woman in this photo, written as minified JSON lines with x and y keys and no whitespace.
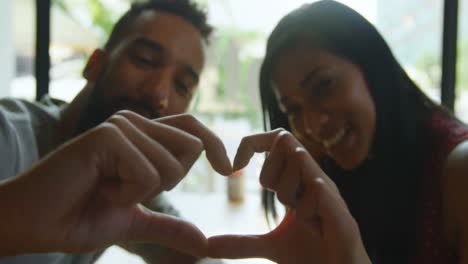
{"x":398,"y":159}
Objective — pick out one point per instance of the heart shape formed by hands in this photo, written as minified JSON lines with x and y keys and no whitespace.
{"x":317,"y":227}
{"x":128,"y":159}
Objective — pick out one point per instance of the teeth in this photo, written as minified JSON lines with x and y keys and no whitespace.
{"x":334,"y":140}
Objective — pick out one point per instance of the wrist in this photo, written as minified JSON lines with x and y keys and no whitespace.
{"x":11,"y":225}
{"x":6,"y":247}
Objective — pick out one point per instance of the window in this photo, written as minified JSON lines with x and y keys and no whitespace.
{"x":19,"y":20}
{"x":77,"y":28}
{"x":413,"y":30}
{"x":461,"y":103}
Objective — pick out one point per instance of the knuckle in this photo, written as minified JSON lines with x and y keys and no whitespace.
{"x":153,"y":179}
{"x":319,"y":185}
{"x":173,"y":176}
{"x":286,"y":140}
{"x":126,"y":113}
{"x":193,"y":147}
{"x":104,"y":133}
{"x":282,"y":139}
{"x":179,"y":173}
{"x":245,"y":141}
{"x":284,"y":135}
{"x":171,"y":185}
{"x":189,"y":118}
{"x":279,"y":130}
{"x":107,"y":130}
{"x":192,"y":121}
{"x":117,"y":119}
{"x":197,"y":145}
{"x":298,"y":153}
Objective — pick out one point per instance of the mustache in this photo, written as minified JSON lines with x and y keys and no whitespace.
{"x":99,"y":109}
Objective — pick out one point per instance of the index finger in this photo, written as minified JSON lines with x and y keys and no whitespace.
{"x":215,"y":150}
{"x":257,"y":143}
{"x":318,"y":186}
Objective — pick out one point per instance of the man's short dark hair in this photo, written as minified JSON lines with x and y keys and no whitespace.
{"x":185,"y":9}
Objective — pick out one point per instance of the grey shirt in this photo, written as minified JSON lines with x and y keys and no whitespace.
{"x":28,"y":131}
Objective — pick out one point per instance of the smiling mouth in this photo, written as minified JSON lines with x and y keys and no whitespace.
{"x":335,"y":139}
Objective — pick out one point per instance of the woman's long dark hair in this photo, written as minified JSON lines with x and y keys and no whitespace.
{"x":382,"y":193}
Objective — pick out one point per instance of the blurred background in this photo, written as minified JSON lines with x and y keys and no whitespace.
{"x":227,"y":99}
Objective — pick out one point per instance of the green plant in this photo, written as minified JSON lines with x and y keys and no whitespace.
{"x":102,"y":17}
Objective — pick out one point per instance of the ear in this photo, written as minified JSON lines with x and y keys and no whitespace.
{"x":95,"y":65}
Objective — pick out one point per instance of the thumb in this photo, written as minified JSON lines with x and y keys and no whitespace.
{"x":166,"y":230}
{"x":239,"y":246}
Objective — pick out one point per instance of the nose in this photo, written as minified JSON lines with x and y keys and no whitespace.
{"x":314,"y":120}
{"x":158,"y":87}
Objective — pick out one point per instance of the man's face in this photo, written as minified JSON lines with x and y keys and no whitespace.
{"x":153,"y":70}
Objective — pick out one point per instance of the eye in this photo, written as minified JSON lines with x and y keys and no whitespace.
{"x":323,"y":88}
{"x":143,"y":61}
{"x":182,"y":88}
{"x":325,"y":82}
{"x":144,"y":58}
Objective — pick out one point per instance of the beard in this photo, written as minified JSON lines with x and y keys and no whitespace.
{"x":100,"y":107}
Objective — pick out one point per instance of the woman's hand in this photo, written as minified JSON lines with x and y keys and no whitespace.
{"x":85,"y":195}
{"x":317,"y":228}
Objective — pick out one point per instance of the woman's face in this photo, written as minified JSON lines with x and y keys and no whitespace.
{"x":328,"y":104}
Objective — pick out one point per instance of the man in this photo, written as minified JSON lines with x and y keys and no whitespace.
{"x":150,"y":65}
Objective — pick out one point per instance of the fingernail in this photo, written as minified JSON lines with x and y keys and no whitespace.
{"x":237,"y":173}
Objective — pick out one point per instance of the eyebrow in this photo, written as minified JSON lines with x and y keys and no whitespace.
{"x":148,"y":43}
{"x":310,"y":75}
{"x":155,"y":46}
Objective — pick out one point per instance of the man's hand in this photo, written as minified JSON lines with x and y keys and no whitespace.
{"x":317,"y":228}
{"x":85,"y":195}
